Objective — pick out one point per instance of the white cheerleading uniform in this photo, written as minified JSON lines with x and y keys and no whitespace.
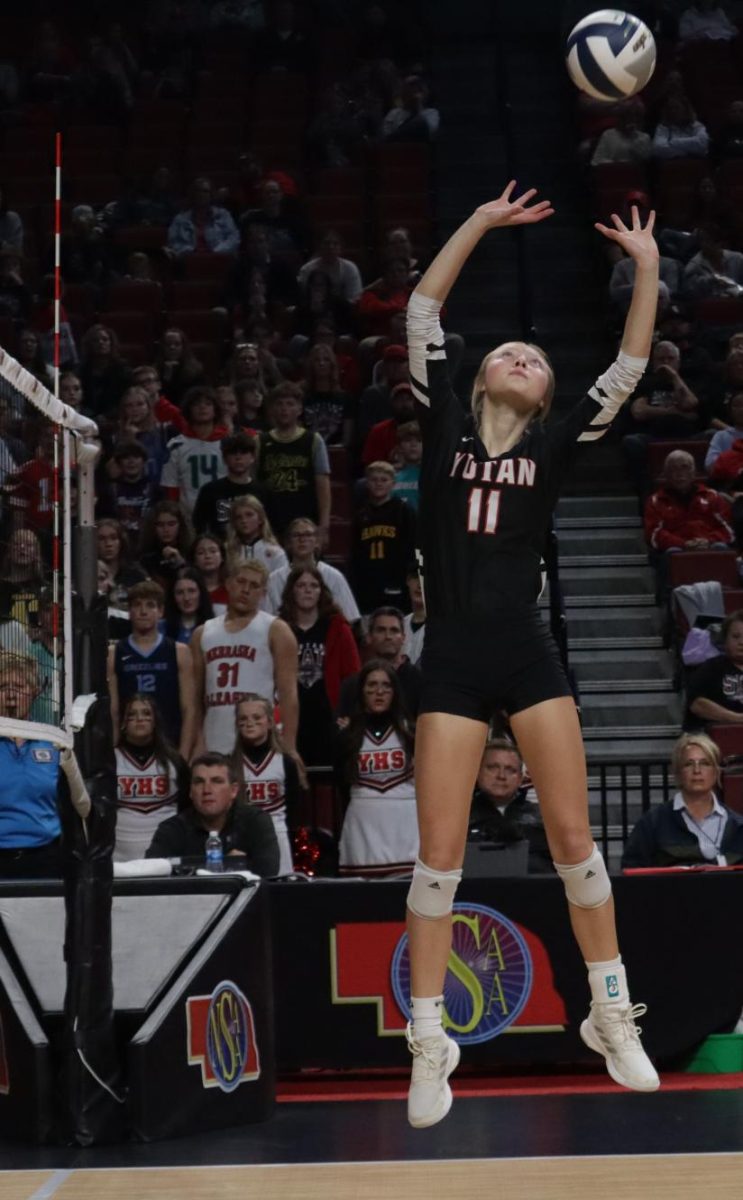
{"x":265,"y":788}
{"x":380,"y":830}
{"x":234,"y":664}
{"x":146,"y":795}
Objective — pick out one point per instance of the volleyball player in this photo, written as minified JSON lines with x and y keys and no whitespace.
{"x":488,"y":485}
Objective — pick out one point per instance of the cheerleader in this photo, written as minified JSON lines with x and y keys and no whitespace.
{"x":270,"y":775}
{"x":374,"y":764}
{"x":152,"y":779}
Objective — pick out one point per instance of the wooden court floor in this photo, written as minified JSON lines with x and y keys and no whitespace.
{"x":662,"y":1177}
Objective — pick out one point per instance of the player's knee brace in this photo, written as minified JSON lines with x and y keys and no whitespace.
{"x":431,"y":893}
{"x":587,"y":883}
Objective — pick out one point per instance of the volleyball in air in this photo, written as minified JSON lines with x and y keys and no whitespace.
{"x":610,"y":55}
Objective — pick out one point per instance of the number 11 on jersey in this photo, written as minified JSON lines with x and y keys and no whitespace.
{"x":483,"y":507}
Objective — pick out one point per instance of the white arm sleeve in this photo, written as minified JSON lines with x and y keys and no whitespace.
{"x":621,"y":379}
{"x":425,"y":340}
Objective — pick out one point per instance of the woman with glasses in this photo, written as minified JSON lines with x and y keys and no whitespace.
{"x":374,"y":766}
{"x":694,"y":828}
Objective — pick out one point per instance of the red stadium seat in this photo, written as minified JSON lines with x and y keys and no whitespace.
{"x":141,"y":237}
{"x":87,"y":160}
{"x":207,"y":266}
{"x":732,"y":790}
{"x":134,"y":296}
{"x":80,"y":298}
{"x":720,"y":310}
{"x":729,"y":738}
{"x":279,"y":95}
{"x":7,"y":333}
{"x":98,"y":189}
{"x":211,"y":160}
{"x":732,"y":599}
{"x":338,"y":456}
{"x":390,"y":209}
{"x":630,"y":176}
{"x":342,"y":501}
{"x":210,"y":356}
{"x":190,"y":294}
{"x":326,"y":210}
{"x":697,"y":566}
{"x":401,"y":156}
{"x":339,"y":181}
{"x":134,"y":327}
{"x":202,"y":325}
{"x":339,"y":541}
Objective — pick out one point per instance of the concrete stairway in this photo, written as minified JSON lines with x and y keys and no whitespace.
{"x":625,"y":676}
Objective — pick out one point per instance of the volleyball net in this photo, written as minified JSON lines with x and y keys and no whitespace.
{"x":47,"y":454}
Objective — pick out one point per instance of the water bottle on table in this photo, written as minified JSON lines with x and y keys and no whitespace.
{"x":214,"y":853}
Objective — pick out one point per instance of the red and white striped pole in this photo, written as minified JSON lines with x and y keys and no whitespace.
{"x":57,"y":240}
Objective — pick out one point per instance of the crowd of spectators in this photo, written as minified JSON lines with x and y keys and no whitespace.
{"x":245,"y":211}
{"x":678,"y":148}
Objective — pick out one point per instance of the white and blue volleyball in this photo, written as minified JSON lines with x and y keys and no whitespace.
{"x":610,"y":55}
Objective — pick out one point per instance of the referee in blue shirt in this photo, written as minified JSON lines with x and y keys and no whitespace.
{"x":30,"y":829}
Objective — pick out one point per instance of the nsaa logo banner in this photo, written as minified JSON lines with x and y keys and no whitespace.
{"x":499,"y":978}
{"x":221,"y":1038}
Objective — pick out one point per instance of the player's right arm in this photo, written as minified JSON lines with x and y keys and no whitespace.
{"x":425,"y":336}
{"x":443,"y":272}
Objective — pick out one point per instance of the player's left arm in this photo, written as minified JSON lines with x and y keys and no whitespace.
{"x":590,"y":419}
{"x":638,"y":242}
{"x":187,"y":696}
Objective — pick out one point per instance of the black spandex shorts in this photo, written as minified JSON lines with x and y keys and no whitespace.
{"x":473,"y":667}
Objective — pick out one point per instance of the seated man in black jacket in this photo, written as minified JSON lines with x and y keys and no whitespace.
{"x":246,"y":832}
{"x":500,"y":810}
{"x":695,"y":827}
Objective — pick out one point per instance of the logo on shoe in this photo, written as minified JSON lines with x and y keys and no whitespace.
{"x":612,"y":986}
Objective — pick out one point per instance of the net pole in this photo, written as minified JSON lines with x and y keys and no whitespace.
{"x":60,"y":529}
{"x":57,"y":252}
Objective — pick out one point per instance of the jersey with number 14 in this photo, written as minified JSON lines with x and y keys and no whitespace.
{"x":192,"y":462}
{"x":482,"y":520}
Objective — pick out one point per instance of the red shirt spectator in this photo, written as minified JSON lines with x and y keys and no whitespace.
{"x":382,"y":437}
{"x":684,"y":514}
{"x":386,"y":296}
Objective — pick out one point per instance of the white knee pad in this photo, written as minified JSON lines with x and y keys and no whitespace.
{"x":587,"y":883}
{"x":431,"y":893}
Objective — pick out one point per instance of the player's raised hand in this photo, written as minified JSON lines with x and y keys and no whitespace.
{"x":638,"y":241}
{"x":506,"y":211}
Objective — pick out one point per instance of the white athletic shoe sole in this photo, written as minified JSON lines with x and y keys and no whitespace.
{"x":589,"y":1038}
{"x":437,"y":1114}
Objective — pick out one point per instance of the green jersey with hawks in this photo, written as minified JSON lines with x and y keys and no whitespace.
{"x":482,"y":520}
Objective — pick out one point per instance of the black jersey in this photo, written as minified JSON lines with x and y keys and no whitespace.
{"x":482,"y":520}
